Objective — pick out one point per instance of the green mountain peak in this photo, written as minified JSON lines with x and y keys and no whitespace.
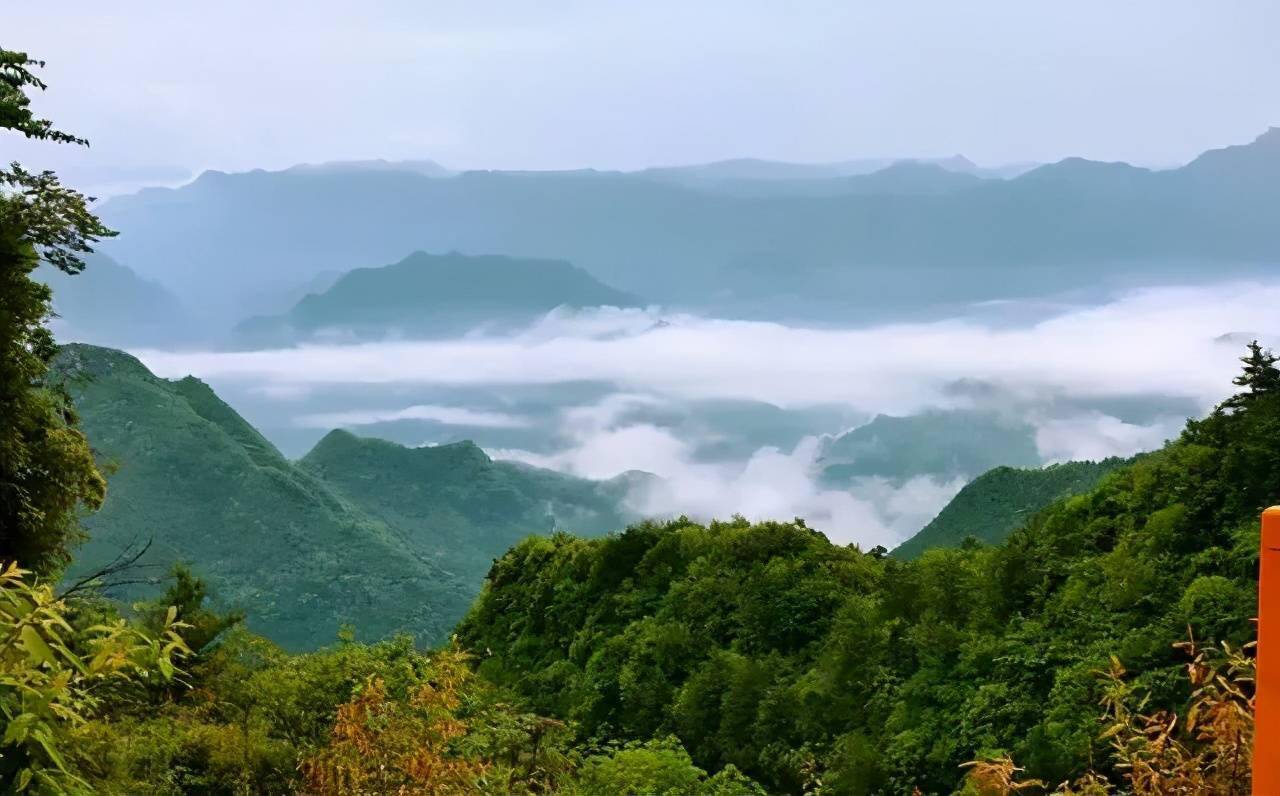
{"x":363,"y":531}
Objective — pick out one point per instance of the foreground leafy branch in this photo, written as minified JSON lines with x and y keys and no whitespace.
{"x":47,"y":688}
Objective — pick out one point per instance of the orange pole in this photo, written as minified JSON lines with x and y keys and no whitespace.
{"x":1266,"y":736}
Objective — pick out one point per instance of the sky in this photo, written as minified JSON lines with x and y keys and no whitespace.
{"x":162,"y":88}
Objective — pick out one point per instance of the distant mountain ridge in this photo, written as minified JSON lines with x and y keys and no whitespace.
{"x":427,"y":168}
{"x":759,"y":170}
{"x":754,"y":169}
{"x":428,"y":295}
{"x":360,"y":532}
{"x":1069,"y":225}
{"x":900,"y":178}
{"x":109,"y":303}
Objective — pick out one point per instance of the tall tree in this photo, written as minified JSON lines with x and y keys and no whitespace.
{"x":1259,"y":376}
{"x":47,"y":472}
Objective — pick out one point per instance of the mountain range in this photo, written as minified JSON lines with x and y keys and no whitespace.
{"x":390,"y":538}
{"x":363,"y":532}
{"x":900,"y":178}
{"x":753,"y":177}
{"x":1072,"y":224}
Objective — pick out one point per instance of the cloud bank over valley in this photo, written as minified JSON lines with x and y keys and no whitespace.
{"x":739,"y":416}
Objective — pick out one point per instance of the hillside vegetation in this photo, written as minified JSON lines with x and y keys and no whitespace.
{"x":362,"y":532}
{"x":456,"y":506}
{"x":771,"y":649}
{"x":185,"y":471}
{"x":995,"y":503}
{"x":720,"y":658}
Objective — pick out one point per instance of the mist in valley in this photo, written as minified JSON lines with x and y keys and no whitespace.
{"x":746,"y":417}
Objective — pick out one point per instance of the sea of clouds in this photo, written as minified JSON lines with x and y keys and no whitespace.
{"x":1175,"y":344}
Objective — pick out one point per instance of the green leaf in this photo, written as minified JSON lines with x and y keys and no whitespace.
{"x":16,"y":732}
{"x":46,"y":744}
{"x":36,"y":647}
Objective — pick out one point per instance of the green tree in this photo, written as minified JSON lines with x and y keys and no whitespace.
{"x":47,"y":470}
{"x":203,"y":625}
{"x":658,"y":766}
{"x":1260,"y":376}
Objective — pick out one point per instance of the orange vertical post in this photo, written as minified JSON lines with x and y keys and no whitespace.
{"x":1266,"y":739}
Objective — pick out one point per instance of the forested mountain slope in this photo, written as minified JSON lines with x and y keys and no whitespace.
{"x":767,"y":647}
{"x":363,"y":532}
{"x":188,"y":473}
{"x":455,"y":505}
{"x":992,"y":505}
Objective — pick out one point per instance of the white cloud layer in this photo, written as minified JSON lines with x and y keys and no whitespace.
{"x":770,"y":484}
{"x":1179,"y":342}
{"x":1095,"y":436}
{"x":1156,"y":341}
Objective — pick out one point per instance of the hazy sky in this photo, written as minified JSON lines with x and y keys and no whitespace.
{"x":237,"y":84}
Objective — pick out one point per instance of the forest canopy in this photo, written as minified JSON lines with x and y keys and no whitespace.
{"x":766,"y":647}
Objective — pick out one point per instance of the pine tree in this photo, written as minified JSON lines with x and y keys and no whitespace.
{"x":1259,"y":377}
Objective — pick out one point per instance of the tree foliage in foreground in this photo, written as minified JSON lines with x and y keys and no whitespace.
{"x":1207,"y":749}
{"x":55,"y":677}
{"x":362,"y":719}
{"x":58,"y":670}
{"x":798,"y":661}
{"x":47,"y":471}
